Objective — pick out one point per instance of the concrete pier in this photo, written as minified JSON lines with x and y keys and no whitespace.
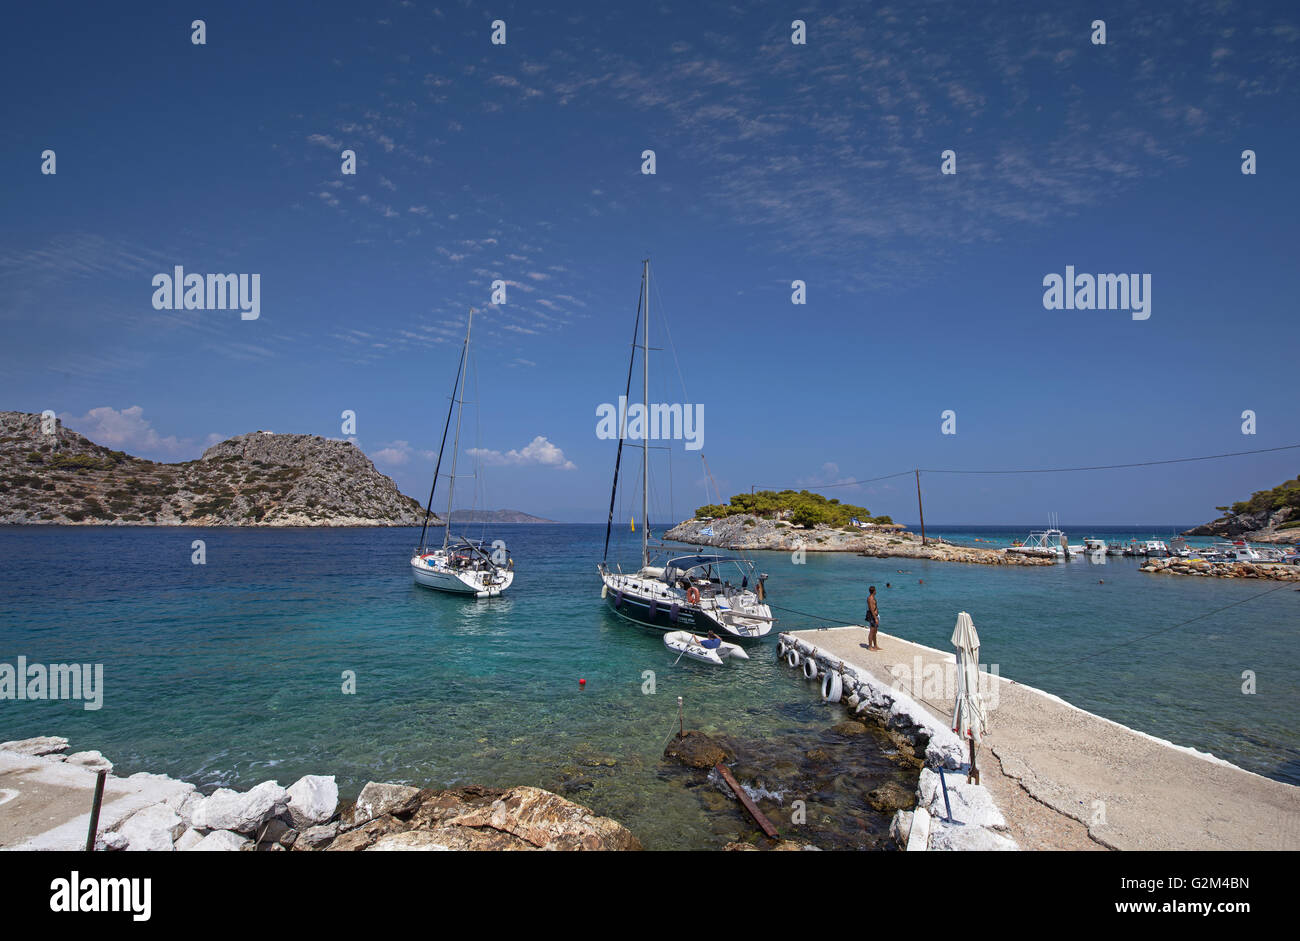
{"x":1068,"y":779}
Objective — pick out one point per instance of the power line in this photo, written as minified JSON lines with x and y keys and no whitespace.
{"x":1066,"y":470}
{"x":1047,"y":470}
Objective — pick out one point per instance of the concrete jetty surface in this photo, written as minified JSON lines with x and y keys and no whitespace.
{"x":1068,"y":779}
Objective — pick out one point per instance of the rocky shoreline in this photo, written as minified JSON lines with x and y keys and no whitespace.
{"x":1177,"y":566}
{"x":1264,"y":526}
{"x":153,"y":812}
{"x":745,"y":532}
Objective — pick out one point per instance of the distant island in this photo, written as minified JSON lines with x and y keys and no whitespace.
{"x":791,"y":520}
{"x":1268,"y":516}
{"x":256,"y":479}
{"x":495,"y":516}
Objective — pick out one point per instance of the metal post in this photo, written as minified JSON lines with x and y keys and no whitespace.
{"x":94,"y":809}
{"x":944,"y":783}
{"x":920,"y":508}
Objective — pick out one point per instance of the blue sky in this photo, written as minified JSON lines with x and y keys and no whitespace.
{"x":775,"y":162}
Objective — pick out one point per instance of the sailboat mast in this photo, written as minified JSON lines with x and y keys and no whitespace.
{"x":455,"y":448}
{"x":442,"y":446}
{"x":645,"y":438}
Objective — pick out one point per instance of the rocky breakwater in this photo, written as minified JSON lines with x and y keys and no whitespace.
{"x":1176,"y":566}
{"x":922,"y":823}
{"x":746,"y":532}
{"x":46,"y":798}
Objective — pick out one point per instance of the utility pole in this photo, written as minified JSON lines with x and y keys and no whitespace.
{"x":920,"y":508}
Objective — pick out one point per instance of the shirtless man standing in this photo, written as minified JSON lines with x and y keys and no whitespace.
{"x":873,"y":618}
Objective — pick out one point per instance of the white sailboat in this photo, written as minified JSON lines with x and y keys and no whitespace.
{"x":461,"y":566}
{"x":692,"y":592}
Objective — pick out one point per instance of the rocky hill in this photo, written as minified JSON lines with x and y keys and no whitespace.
{"x":257,"y":479}
{"x":1268,"y":516}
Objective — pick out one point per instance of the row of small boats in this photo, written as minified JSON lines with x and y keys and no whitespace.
{"x":1052,"y":543}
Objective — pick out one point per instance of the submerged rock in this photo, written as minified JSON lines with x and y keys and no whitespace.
{"x":697,"y":750}
{"x":891,"y":796}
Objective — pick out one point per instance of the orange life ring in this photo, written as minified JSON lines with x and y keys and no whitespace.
{"x":693,"y":595}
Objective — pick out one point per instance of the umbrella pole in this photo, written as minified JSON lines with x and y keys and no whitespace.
{"x":974,"y":772}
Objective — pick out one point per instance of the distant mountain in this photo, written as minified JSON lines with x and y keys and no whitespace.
{"x":257,"y":479}
{"x":494,"y":516}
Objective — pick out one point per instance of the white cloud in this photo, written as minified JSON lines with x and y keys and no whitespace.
{"x":397,"y":453}
{"x":127,"y":430}
{"x":538,"y":451}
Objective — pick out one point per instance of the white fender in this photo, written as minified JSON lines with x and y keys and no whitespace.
{"x":792,"y":658}
{"x":810,"y":668}
{"x":831,"y":687}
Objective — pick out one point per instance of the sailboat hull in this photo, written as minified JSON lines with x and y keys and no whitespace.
{"x":675,"y":614}
{"x":477,"y":583}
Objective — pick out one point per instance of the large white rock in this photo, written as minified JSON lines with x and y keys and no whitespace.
{"x":944,"y":836}
{"x":35,"y":747}
{"x":185,"y":805}
{"x":225,"y":809}
{"x":220,"y":841}
{"x":377,"y":799}
{"x":312,"y":800}
{"x":90,"y":759}
{"x":972,"y":804}
{"x":152,"y":829}
{"x":189,"y":839}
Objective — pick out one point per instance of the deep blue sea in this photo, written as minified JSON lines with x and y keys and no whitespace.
{"x":231,"y":672}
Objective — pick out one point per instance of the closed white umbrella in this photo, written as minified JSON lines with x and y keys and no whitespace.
{"x":968,"y":717}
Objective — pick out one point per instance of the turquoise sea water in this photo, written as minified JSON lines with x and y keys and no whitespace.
{"x":230,"y":672}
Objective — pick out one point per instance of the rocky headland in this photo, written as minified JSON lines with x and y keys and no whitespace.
{"x":1268,"y":516}
{"x":256,"y":479}
{"x":746,"y":532}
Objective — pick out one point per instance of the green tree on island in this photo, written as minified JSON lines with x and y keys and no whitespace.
{"x":799,"y":507}
{"x":1285,"y":494}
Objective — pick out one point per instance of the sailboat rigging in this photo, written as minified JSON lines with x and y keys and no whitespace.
{"x":695,"y":592}
{"x":462,"y":566}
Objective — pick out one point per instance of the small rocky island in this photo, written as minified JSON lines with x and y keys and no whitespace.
{"x":256,"y":479}
{"x":746,"y":532}
{"x":1268,"y":516}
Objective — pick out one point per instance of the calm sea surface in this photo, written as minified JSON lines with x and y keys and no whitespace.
{"x":231,"y":672}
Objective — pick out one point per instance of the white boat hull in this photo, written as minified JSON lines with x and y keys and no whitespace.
{"x":431,"y":571}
